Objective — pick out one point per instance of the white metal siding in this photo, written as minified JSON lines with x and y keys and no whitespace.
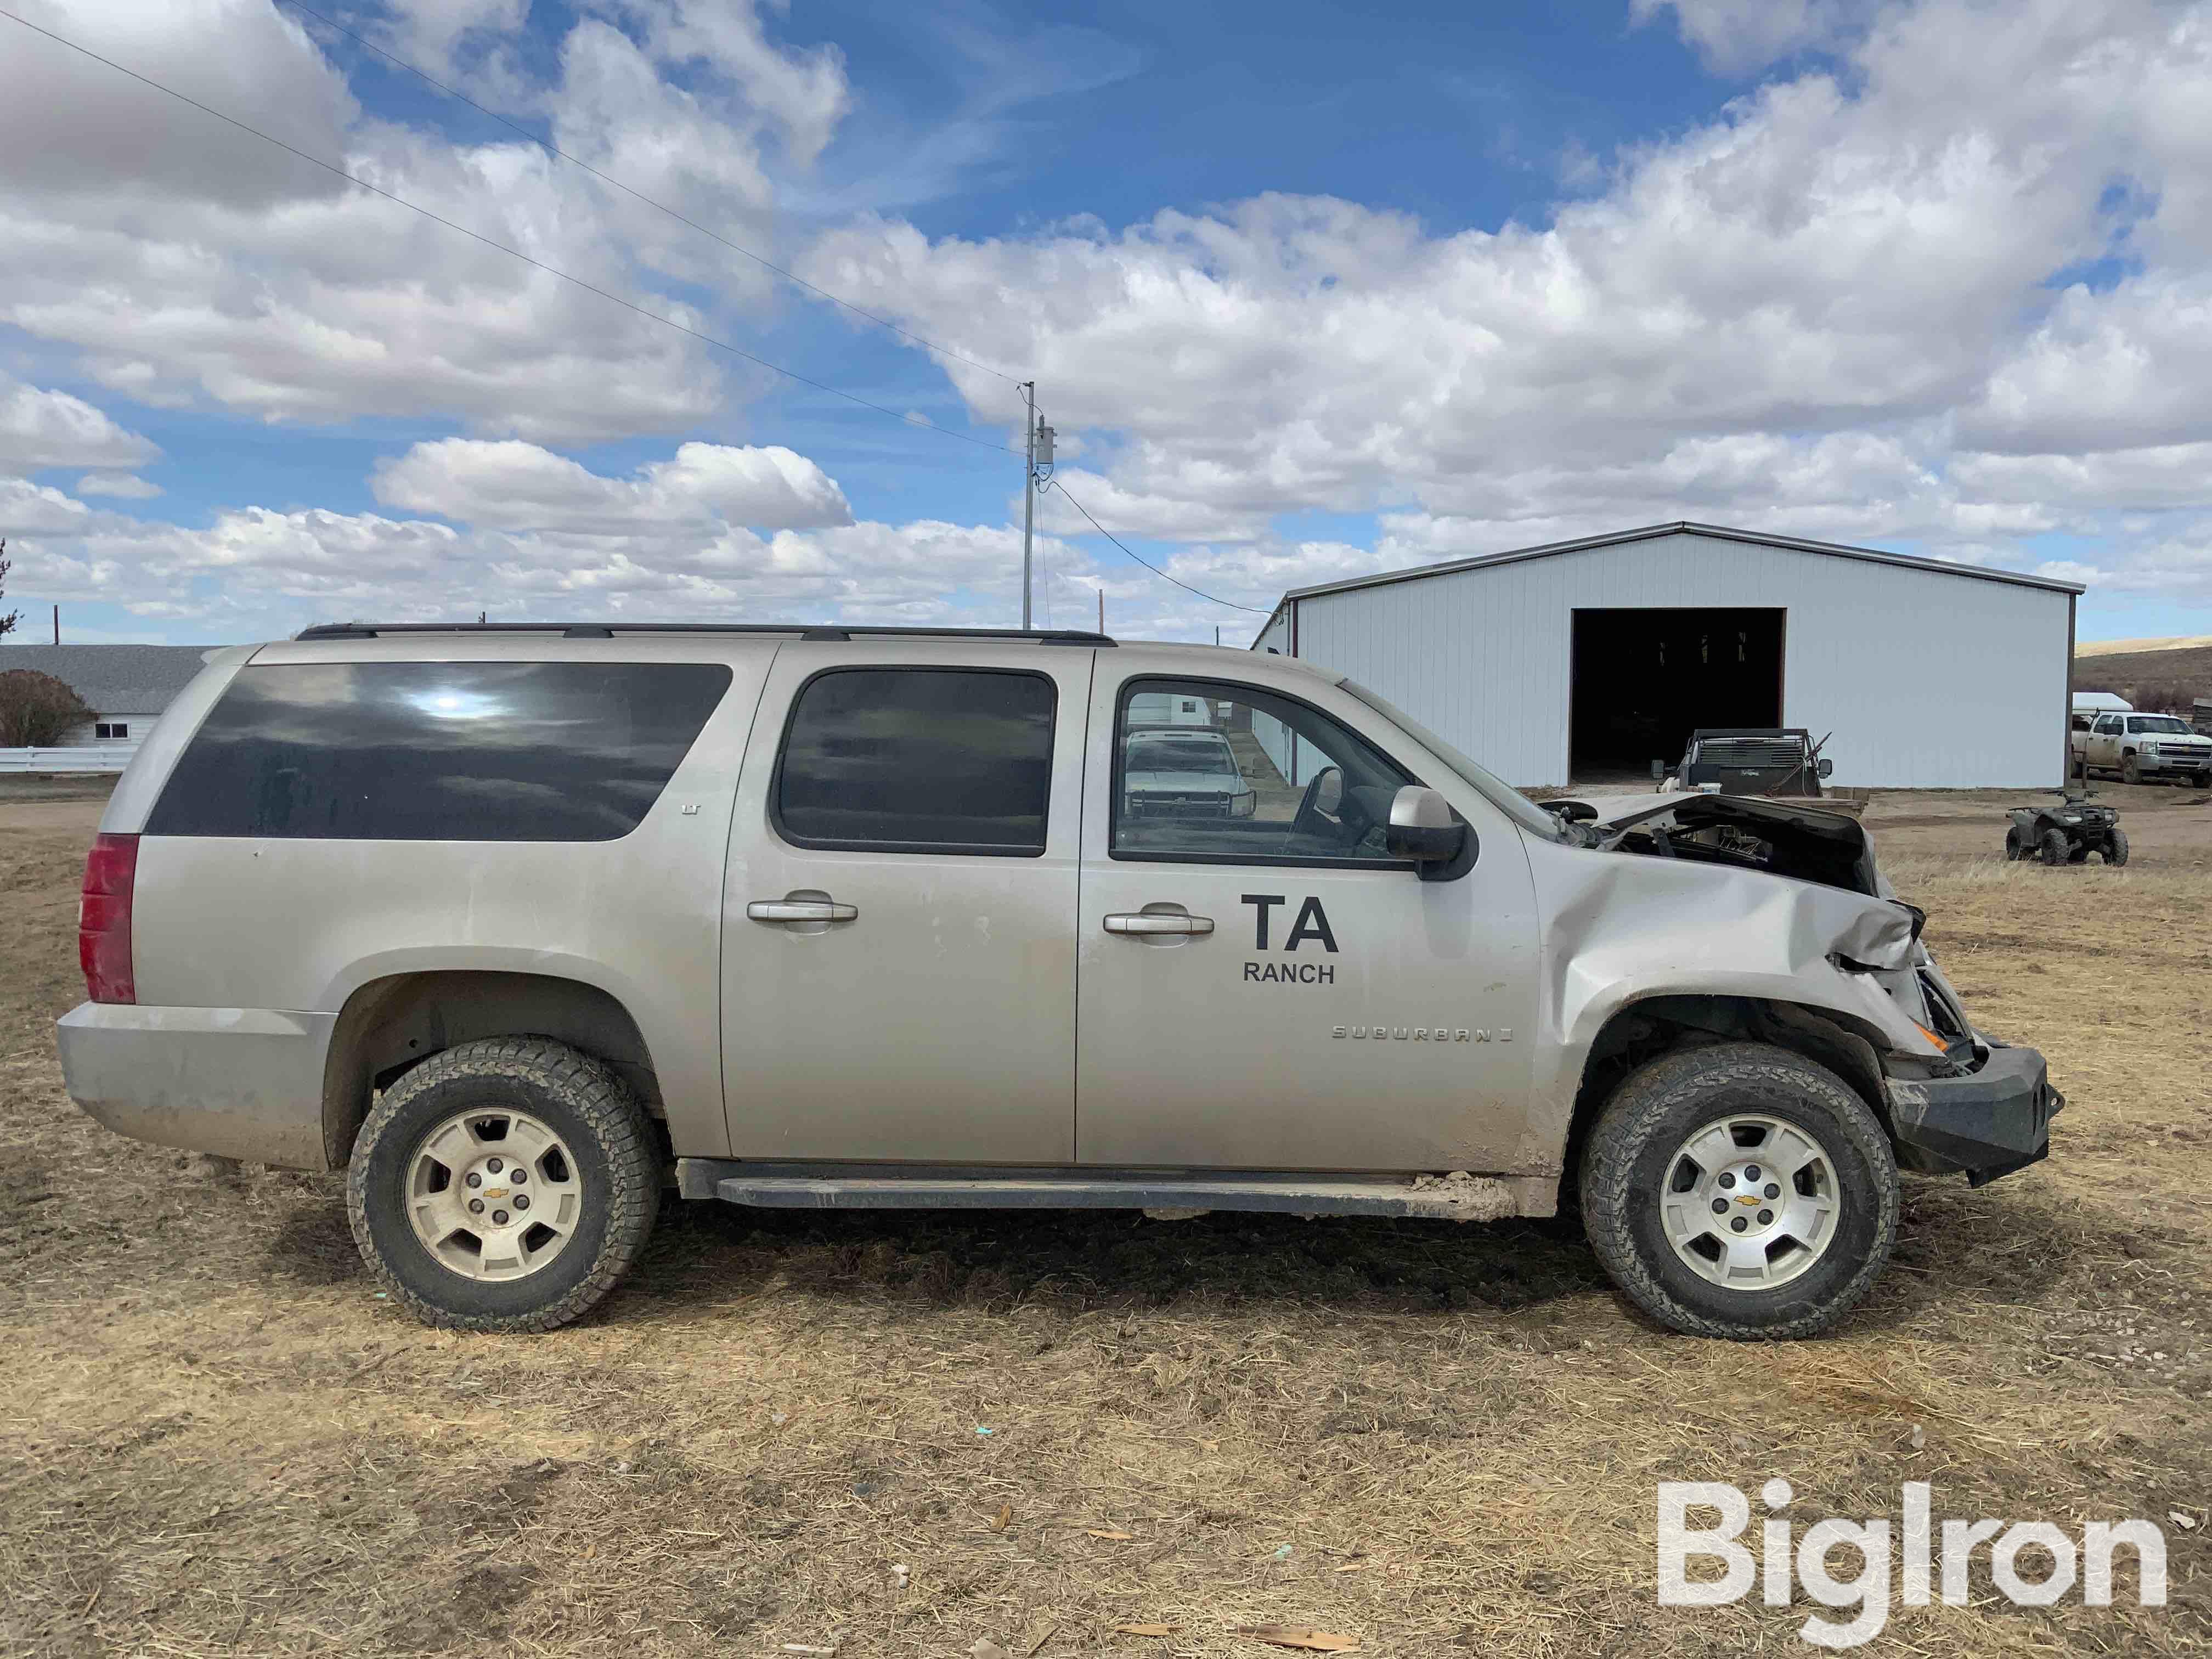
{"x":86,"y":734}
{"x":1929,"y":680}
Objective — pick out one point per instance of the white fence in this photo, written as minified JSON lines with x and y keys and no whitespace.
{"x":105,"y":758}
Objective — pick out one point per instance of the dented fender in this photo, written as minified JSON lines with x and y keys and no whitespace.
{"x":1620,"y":929}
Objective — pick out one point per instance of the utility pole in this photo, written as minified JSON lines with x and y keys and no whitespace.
{"x":1039,"y":468}
{"x":1029,"y":491}
{"x":1101,"y":611}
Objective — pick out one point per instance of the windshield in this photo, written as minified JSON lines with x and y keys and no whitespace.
{"x":1505,"y":798}
{"x":1163,"y":754}
{"x":2156,"y":723}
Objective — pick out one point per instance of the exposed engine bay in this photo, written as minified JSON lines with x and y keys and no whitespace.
{"x":1742,"y":831}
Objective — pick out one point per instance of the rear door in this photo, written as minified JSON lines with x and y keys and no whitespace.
{"x":1262,"y":986}
{"x":898,"y":959}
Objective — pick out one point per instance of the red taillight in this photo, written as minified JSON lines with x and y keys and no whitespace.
{"x":103,"y":919}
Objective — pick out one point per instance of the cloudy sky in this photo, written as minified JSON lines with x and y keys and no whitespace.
{"x":1307,"y":292}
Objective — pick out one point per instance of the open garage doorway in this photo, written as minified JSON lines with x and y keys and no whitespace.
{"x":1644,"y":680}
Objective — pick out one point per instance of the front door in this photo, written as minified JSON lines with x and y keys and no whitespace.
{"x":898,"y":971}
{"x":2105,"y":742}
{"x":1260,"y":986}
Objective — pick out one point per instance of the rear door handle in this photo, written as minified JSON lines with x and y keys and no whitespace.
{"x":1148,"y":921}
{"x":799,"y":910}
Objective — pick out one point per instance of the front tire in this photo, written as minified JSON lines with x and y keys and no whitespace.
{"x":2116,"y":849}
{"x":2056,"y":849}
{"x":1682,"y":1135}
{"x":504,"y":1185}
{"x":2130,"y":771}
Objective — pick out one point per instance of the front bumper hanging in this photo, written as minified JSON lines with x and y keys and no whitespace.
{"x":1989,"y":1123}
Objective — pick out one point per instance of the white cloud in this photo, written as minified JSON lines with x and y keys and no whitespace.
{"x":103,"y":139}
{"x":1943,"y":286}
{"x":192,"y":262}
{"x":512,"y":485}
{"x":432,"y":32}
{"x":710,"y":532}
{"x":40,"y":428}
{"x":29,"y":509}
{"x":2166,"y":476}
{"x":127,"y":484}
{"x":1735,"y":36}
{"x":1796,"y":316}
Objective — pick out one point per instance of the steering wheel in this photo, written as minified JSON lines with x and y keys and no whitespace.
{"x":1310,"y":820}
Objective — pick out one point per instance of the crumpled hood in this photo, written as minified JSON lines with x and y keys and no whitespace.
{"x":1711,"y":909}
{"x":1837,"y":903}
{"x":1618,"y":812}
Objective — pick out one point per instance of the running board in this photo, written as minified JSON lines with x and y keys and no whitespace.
{"x":1452,"y":1197}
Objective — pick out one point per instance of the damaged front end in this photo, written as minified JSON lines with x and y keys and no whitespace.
{"x":1736,"y":911}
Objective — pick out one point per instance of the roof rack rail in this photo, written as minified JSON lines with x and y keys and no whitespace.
{"x":600,"y":630}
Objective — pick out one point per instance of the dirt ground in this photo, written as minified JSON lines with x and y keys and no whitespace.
{"x":896,"y":1434}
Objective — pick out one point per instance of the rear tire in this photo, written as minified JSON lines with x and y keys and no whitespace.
{"x":447,"y":1169}
{"x":2115,"y":850}
{"x":2201,"y":781}
{"x":2015,"y":845}
{"x":2055,"y":849}
{"x":1683,"y":1121}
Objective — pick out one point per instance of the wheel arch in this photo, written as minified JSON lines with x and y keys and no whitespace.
{"x":1648,"y":1027}
{"x":389,"y":1025}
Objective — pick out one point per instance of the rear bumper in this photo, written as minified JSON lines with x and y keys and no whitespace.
{"x":238,"y":1082}
{"x":1988,"y":1124}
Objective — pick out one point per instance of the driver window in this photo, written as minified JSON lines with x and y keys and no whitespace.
{"x":1217,"y":772}
{"x":2109,"y":723}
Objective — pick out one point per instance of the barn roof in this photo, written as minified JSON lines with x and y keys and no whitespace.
{"x":113,"y":679}
{"x":1681,"y":527}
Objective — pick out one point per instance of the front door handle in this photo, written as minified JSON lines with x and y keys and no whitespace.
{"x":799,"y":910}
{"x":1149,"y":921}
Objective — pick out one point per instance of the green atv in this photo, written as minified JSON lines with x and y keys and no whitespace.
{"x":2065,"y":834}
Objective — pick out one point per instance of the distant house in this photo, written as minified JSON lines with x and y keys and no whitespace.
{"x":127,"y":686}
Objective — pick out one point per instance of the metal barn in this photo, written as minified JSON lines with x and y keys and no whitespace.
{"x":1585,"y":661}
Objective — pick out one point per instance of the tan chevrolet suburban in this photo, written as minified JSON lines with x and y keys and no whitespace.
{"x":520,"y":924}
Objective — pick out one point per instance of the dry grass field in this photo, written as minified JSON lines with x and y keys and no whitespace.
{"x":896,"y":1435}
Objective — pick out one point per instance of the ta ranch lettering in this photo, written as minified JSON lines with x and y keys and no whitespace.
{"x":1290,"y":972}
{"x":1425,"y":1033}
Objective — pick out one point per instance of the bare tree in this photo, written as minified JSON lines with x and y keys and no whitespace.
{"x":9,"y":618}
{"x":2160,"y":698}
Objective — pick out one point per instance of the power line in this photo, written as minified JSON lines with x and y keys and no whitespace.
{"x":1155,"y":569}
{"x":490,"y":242}
{"x":551,"y":148}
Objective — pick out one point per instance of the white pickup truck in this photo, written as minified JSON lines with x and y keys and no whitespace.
{"x":2141,"y":746}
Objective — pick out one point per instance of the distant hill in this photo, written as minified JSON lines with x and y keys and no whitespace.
{"x":2165,"y":678}
{"x":2114,"y":647}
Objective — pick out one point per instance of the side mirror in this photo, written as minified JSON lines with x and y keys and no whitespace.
{"x":1423,"y":829}
{"x":1826,"y":768}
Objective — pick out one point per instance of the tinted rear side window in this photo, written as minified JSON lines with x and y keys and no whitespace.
{"x":918,"y":760}
{"x":438,"y":751}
